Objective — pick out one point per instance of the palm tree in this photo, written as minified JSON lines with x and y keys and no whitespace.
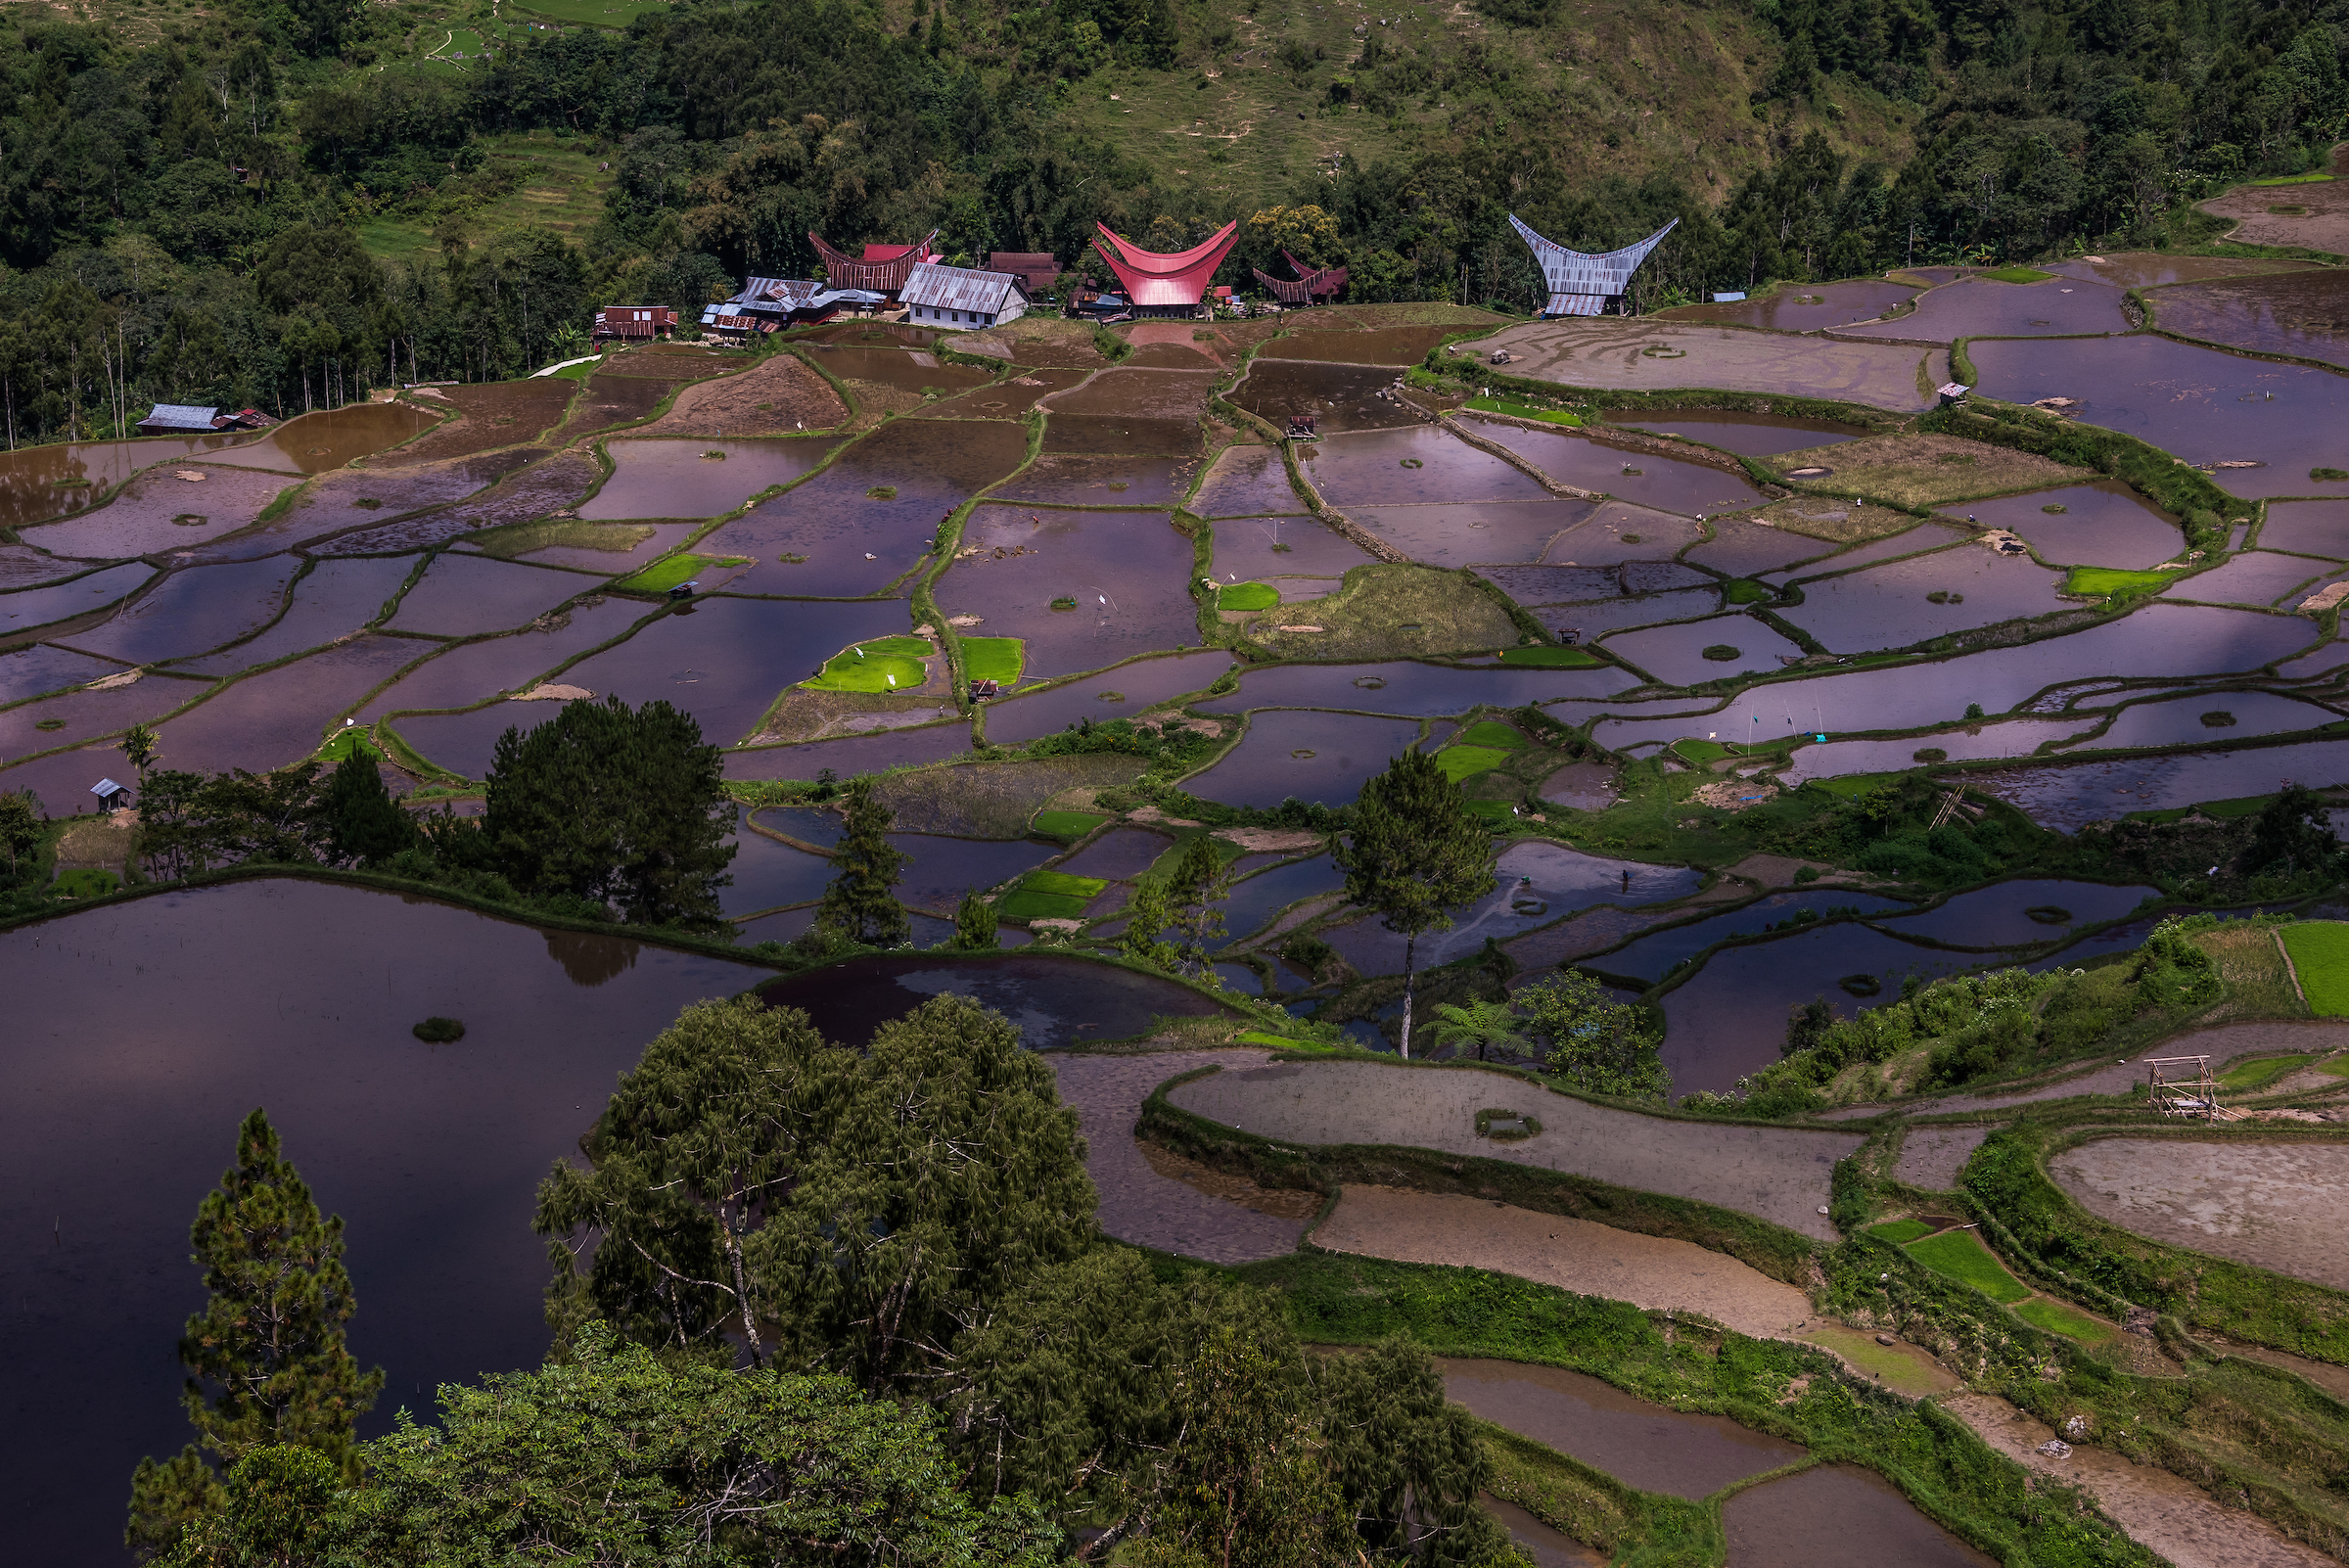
{"x":1484,"y":1023}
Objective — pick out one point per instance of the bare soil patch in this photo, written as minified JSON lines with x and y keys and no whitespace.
{"x":669,"y":361}
{"x":1280,"y":1204}
{"x":2321,"y":224}
{"x":1038,"y":340}
{"x":1932,"y":1156}
{"x":1394,"y":611}
{"x":2279,"y":1206}
{"x":805,"y":715}
{"x":495,"y":414}
{"x":773,"y":398}
{"x":1925,"y":470}
{"x":1840,"y":522}
{"x":2160,"y":1511}
{"x":994,"y":800}
{"x":1779,"y":1174}
{"x":102,"y":843}
{"x":1648,"y":355}
{"x":1005,"y":399}
{"x":606,"y":403}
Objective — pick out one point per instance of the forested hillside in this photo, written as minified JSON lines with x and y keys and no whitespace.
{"x":280,"y":202}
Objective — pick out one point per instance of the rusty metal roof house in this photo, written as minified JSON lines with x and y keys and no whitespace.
{"x":1313,"y":285}
{"x":1581,"y":284}
{"x":633,"y":323}
{"x":882,"y":269}
{"x":1038,"y":269}
{"x":937,"y":295}
{"x":769,"y":304}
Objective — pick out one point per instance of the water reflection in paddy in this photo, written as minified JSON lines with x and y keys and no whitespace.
{"x":1055,"y":999}
{"x":2181,"y":720}
{"x":1837,"y":1516}
{"x":473,"y":671}
{"x":1804,"y":307}
{"x":542,"y":484}
{"x":281,"y":715}
{"x":1539,"y":883}
{"x":1256,"y":900}
{"x":1370,"y":470}
{"x":1247,"y":481}
{"x":190,"y":612}
{"x":2015,"y":737}
{"x":1118,"y":853}
{"x":1645,"y":1445}
{"x":2257,"y":577}
{"x":1653,"y":958}
{"x":1314,"y":757}
{"x":34,"y":479}
{"x":469,"y":593}
{"x":158,"y":512}
{"x":1754,"y":434}
{"x":2000,"y":915}
{"x":2104,"y":524}
{"x":332,"y":598}
{"x":31,"y":671}
{"x":1448,"y":534}
{"x":939,"y":869}
{"x":1121,"y":692}
{"x":330,"y":438}
{"x":2310,"y":528}
{"x":768,"y":874}
{"x":1676,"y":654}
{"x":1061,"y":479}
{"x":1620,"y":531}
{"x":1127,"y":571}
{"x":2068,"y":796}
{"x":2200,"y":404}
{"x":1742,"y":548}
{"x":1668,"y":483}
{"x":84,"y":715}
{"x":676,"y":477}
{"x":853,"y":755}
{"x":2304,"y":314}
{"x":298,"y":995}
{"x":1279,"y":546}
{"x":1893,"y":604}
{"x":1585,"y":622}
{"x":1975,"y":307}
{"x":1408,"y":686}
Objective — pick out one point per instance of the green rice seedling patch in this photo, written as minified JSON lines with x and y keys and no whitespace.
{"x":884,"y":665}
{"x":2017,"y":276}
{"x":1899,"y":1233}
{"x":2295,"y":179}
{"x":669,"y":572}
{"x":1699,"y":752}
{"x":1548,"y":658}
{"x":2107,"y":581}
{"x":1744,"y":591}
{"x":2320,"y":952}
{"x":346,"y":741}
{"x":2260,"y":1073}
{"x":1051,"y":896}
{"x":1460,"y":762}
{"x":1067,"y":826}
{"x":997,"y":658}
{"x":1961,"y":1256}
{"x":85,"y":882}
{"x":1489,"y":732}
{"x":1850,"y":786}
{"x":1246,"y":596}
{"x":1282,"y":1042}
{"x":1502,"y":405}
{"x":2057,"y":1318}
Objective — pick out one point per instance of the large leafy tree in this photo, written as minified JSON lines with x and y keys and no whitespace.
{"x":696,"y":1151}
{"x":618,"y":1457}
{"x":266,"y":1353}
{"x":1591,"y":1040}
{"x":860,"y":902}
{"x":1195,"y":888}
{"x":358,"y":820}
{"x":1415,"y":854}
{"x":617,"y":806}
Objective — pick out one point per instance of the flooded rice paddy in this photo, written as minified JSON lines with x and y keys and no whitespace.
{"x":341,"y":566}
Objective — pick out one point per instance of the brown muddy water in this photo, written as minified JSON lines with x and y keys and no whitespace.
{"x":1804,"y":307}
{"x":1064,"y":480}
{"x":150,"y":1028}
{"x":44,"y":482}
{"x":1838,"y":1516}
{"x":907,"y":369}
{"x":1340,"y":397}
{"x":677,"y":477}
{"x":1123,"y":393}
{"x":162,"y":511}
{"x":2200,"y":404}
{"x":312,"y":443}
{"x":1394,"y":346}
{"x":1123,"y":433}
{"x":1651,"y":1447}
{"x":2304,"y":314}
{"x":1247,"y":481}
{"x":1755,"y":435}
{"x":1055,"y":999}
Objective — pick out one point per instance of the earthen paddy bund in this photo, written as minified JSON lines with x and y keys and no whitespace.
{"x":419,"y":571}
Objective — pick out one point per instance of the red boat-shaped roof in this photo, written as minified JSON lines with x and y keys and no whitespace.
{"x":1155,"y":278}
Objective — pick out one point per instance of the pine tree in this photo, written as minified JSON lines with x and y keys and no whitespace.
{"x":1146,"y":924}
{"x":358,"y":816}
{"x":267,"y":1351}
{"x":1197,"y":884}
{"x":1416,"y":853}
{"x":975,"y":923}
{"x":862,"y":902}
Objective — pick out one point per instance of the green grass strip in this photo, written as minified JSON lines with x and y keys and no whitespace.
{"x":1502,"y":405}
{"x":2057,"y":1318}
{"x":1460,"y":762}
{"x":997,"y":658}
{"x":85,"y":882}
{"x":1062,"y":884}
{"x":1023,"y":904}
{"x":1488,"y":732}
{"x":1744,"y":591}
{"x":1547,"y":658}
{"x":2259,"y":1074}
{"x":2017,"y":276}
{"x":665,"y":574}
{"x":2108,"y":581}
{"x":1961,"y":1256}
{"x":1067,"y":826}
{"x":884,"y":665}
{"x":2296,"y":180}
{"x":1246,"y":596}
{"x":1899,"y":1233}
{"x":2320,"y":951}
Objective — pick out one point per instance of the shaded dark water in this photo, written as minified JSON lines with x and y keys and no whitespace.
{"x":1284,"y":547}
{"x":939,"y":870}
{"x":34,"y":478}
{"x":190,"y":611}
{"x":1668,"y":483}
{"x":333,"y":598}
{"x":462,"y":594}
{"x":474,"y":671}
{"x":2001,"y":914}
{"x":1755,"y":435}
{"x":1536,"y":881}
{"x":1653,"y":958}
{"x":1338,"y":397}
{"x":140,"y":1035}
{"x":1056,"y":999}
{"x":1645,"y":1445}
{"x":1838,"y":1516}
{"x":1340,"y":752}
{"x":853,"y":755}
{"x":1134,"y":686}
{"x":675,"y":477}
{"x":31,"y":671}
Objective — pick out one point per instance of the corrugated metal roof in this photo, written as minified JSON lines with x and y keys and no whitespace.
{"x":187,"y":416}
{"x":776,"y":294}
{"x":1580,"y":283}
{"x":945,"y":287}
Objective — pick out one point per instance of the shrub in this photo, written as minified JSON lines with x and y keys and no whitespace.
{"x":1929,"y":754}
{"x":2328,"y":474}
{"x":1721,"y":653}
{"x":2218,"y":719}
{"x":439,"y":1031}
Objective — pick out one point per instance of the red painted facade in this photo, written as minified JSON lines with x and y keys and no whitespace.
{"x":1156,"y":282}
